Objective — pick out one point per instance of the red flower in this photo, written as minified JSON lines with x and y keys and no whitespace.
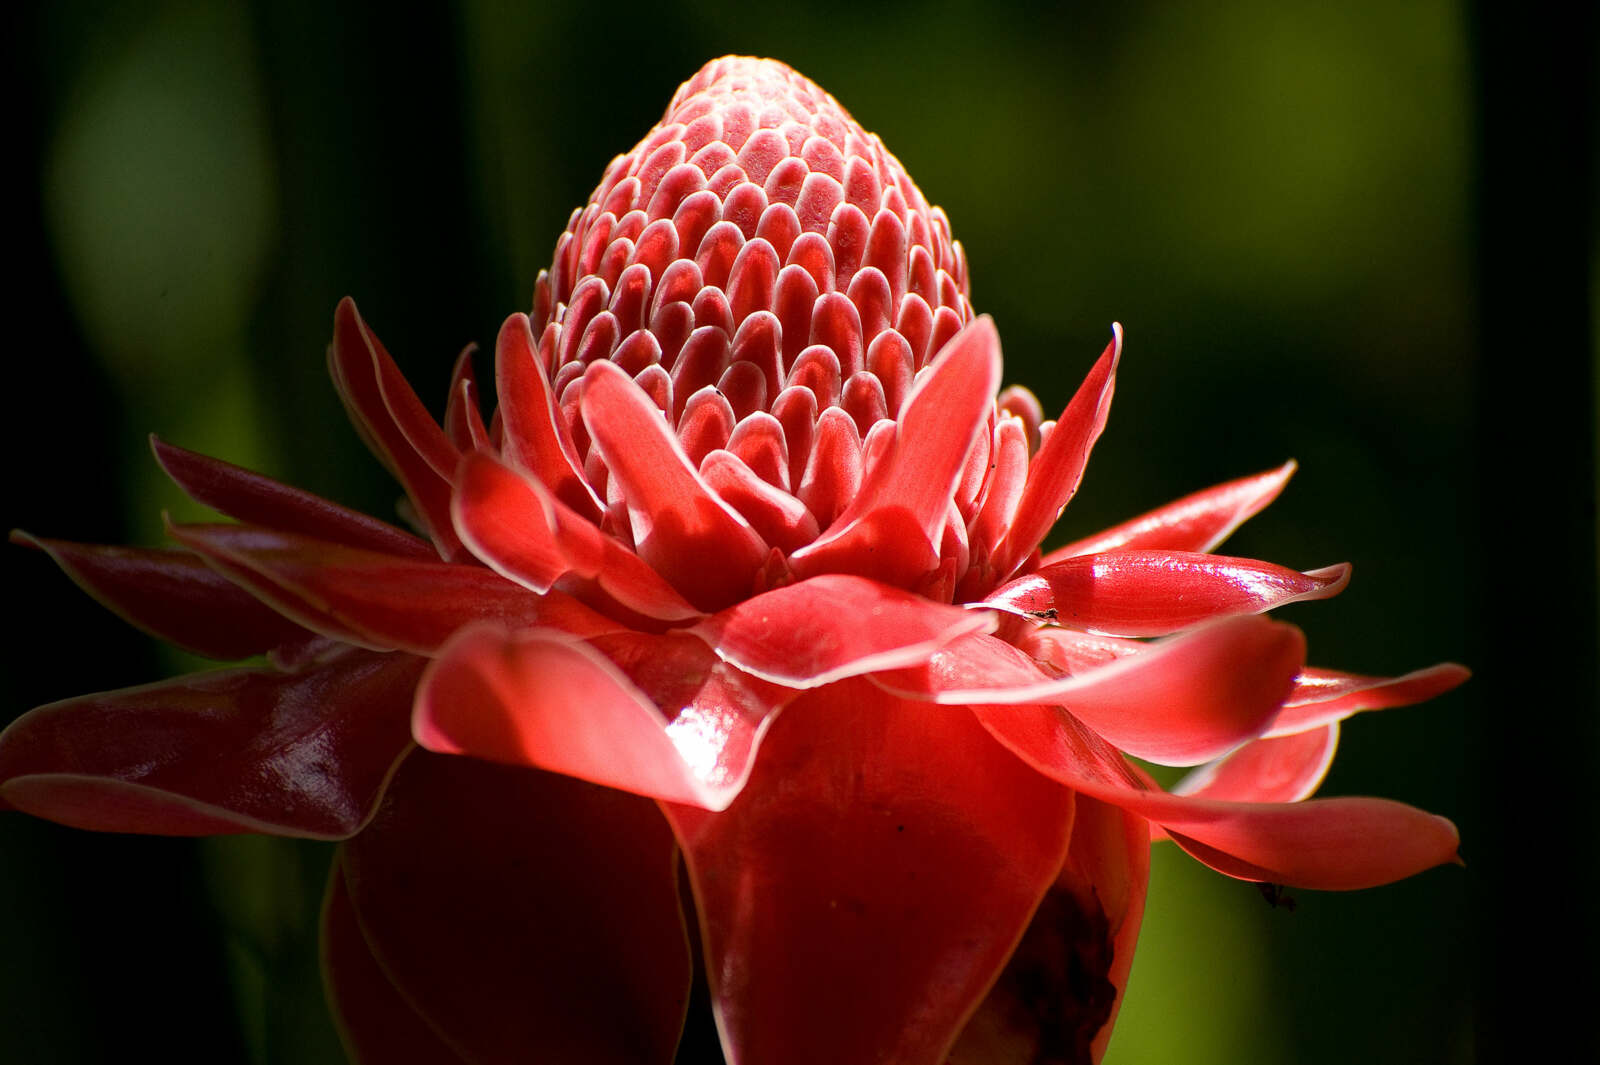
{"x":745,"y":569}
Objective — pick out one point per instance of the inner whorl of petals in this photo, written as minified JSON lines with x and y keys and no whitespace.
{"x":767,"y":272}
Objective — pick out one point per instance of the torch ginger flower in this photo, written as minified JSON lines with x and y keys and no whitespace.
{"x":744,"y":572}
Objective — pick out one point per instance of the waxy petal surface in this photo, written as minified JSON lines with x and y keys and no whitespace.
{"x":1197,"y":522}
{"x":891,"y":531}
{"x":1153,"y":593}
{"x":394,"y":423}
{"x":463,"y":421}
{"x":1281,"y":769}
{"x":536,"y":435}
{"x":256,"y":499}
{"x":1330,"y":844}
{"x":1069,"y":652}
{"x":174,"y":596}
{"x":1108,"y":864}
{"x":1183,"y":701}
{"x":244,"y":750}
{"x":860,"y":896}
{"x":1056,"y":471}
{"x":375,"y":600}
{"x":688,"y":535}
{"x":526,"y":916}
{"x":1058,"y":996}
{"x":506,"y":524}
{"x":525,"y":534}
{"x":540,"y":698}
{"x":1341,"y":844}
{"x":834,"y":626}
{"x":1323,"y":696}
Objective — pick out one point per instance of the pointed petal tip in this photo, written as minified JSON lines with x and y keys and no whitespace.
{"x":159,"y":448}
{"x":979,"y":339}
{"x":1324,"y":696}
{"x":345,"y":317}
{"x":1331,"y":579}
{"x":1056,"y":471}
{"x":171,"y":458}
{"x":1338,"y":844}
{"x":1199,"y":521}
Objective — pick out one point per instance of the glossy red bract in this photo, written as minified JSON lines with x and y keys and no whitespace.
{"x":744,"y":573}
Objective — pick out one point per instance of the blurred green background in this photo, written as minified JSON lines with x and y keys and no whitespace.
{"x":1358,"y":235}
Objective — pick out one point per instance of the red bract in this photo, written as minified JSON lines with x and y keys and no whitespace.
{"x":743,"y":572}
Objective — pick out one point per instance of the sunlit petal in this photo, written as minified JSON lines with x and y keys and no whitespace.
{"x":1152,"y":593}
{"x":543,"y":699}
{"x":1197,"y":522}
{"x":875,"y":872}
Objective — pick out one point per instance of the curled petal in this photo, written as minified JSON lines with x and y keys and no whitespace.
{"x":536,"y":437}
{"x":527,"y":535}
{"x":259,"y":500}
{"x":463,"y":422}
{"x":1056,"y":471}
{"x":245,"y":750}
{"x":393,"y":422}
{"x":874,"y":872}
{"x":541,"y":698}
{"x":1000,"y":497}
{"x":780,"y":518}
{"x":834,"y":626}
{"x":1331,"y":844}
{"x":1342,"y":844}
{"x":832,"y":476}
{"x":682,"y":529}
{"x":1282,"y":769}
{"x":892,"y":530}
{"x":526,"y":916}
{"x":375,"y":600}
{"x":173,"y":595}
{"x":1197,"y":522}
{"x":1322,"y":696}
{"x":1180,"y":702}
{"x":505,"y":524}
{"x":1152,"y":593}
{"x":376,"y":1024}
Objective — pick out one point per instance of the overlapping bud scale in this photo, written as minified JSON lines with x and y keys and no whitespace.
{"x":768,"y":274}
